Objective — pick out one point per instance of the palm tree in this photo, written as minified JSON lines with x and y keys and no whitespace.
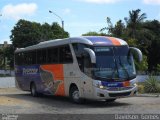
{"x":134,"y":21}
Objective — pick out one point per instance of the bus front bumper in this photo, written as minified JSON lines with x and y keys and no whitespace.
{"x":102,"y":94}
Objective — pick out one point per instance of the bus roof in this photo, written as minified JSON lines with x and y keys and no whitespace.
{"x":89,"y":40}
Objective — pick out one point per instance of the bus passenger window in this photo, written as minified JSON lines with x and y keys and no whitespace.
{"x":52,"y":55}
{"x":31,"y":58}
{"x":65,"y":54}
{"x":41,"y":56}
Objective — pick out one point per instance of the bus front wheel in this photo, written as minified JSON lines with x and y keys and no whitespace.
{"x":74,"y":95}
{"x":33,"y":89}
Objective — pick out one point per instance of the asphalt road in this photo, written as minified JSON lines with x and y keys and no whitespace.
{"x":14,"y":101}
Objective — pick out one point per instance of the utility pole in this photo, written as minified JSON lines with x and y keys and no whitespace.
{"x":62,"y":21}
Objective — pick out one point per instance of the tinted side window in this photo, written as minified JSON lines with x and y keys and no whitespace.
{"x":65,"y":55}
{"x":41,"y":56}
{"x":52,"y":55}
{"x":20,"y":59}
{"x":34,"y":56}
{"x":31,"y":57}
{"x":26,"y":58}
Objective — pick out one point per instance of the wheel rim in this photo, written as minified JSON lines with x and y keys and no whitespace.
{"x":75,"y":95}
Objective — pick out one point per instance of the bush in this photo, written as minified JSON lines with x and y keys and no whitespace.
{"x":152,"y":85}
{"x":140,"y":88}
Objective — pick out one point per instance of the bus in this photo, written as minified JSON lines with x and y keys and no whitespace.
{"x":88,"y":67}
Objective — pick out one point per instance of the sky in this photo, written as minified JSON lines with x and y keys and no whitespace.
{"x":79,"y":16}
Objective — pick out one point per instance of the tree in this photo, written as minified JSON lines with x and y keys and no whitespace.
{"x":143,"y":66}
{"x":46,"y":32}
{"x":9,"y":52}
{"x":153,"y":50}
{"x":134,"y":22}
{"x":6,"y":57}
{"x":58,"y":32}
{"x":109,"y":27}
{"x":26,"y":33}
{"x":93,"y":34}
{"x":117,"y":31}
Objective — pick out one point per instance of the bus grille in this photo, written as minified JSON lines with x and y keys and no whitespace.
{"x":119,"y":88}
{"x":119,"y":94}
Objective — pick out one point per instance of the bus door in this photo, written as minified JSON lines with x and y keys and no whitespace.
{"x":87,"y":76}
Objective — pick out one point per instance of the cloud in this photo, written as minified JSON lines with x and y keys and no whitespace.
{"x":17,"y":11}
{"x":152,"y":2}
{"x":100,"y":1}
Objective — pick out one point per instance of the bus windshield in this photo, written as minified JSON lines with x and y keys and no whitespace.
{"x":114,"y":63}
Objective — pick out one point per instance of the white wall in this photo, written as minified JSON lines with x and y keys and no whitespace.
{"x":6,"y":82}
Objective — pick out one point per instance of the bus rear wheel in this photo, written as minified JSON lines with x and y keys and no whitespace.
{"x":33,"y":90}
{"x":74,"y":95}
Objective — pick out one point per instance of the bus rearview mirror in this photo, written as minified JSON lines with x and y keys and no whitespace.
{"x":91,"y":54}
{"x":137,"y":52}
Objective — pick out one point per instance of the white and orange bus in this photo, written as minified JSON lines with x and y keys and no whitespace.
{"x":89,"y":67}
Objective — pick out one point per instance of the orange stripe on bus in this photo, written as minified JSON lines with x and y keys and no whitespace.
{"x":58,"y":74}
{"x":114,"y":41}
{"x":126,"y":84}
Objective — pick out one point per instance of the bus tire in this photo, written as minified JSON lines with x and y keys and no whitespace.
{"x":74,"y":95}
{"x":110,"y":100}
{"x":33,"y":90}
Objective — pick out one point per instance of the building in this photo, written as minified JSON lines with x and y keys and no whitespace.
{"x":4,"y":45}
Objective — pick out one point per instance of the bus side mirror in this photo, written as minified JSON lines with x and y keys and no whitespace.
{"x":91,"y":54}
{"x":137,"y":53}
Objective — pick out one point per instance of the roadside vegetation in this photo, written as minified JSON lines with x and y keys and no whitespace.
{"x":151,"y":86}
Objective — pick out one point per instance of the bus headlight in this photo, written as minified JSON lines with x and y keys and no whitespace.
{"x":99,"y":85}
{"x":102,"y":87}
{"x":133,"y":84}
